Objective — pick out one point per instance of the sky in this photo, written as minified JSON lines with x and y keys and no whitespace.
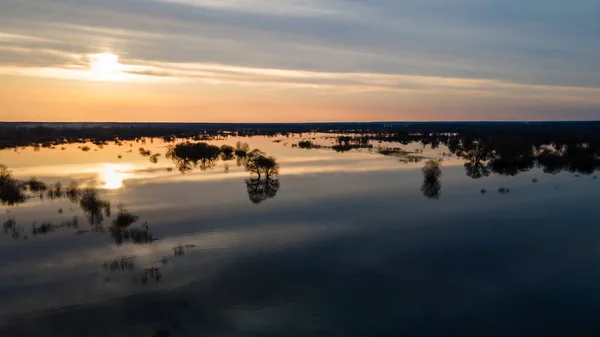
{"x":299,"y":60}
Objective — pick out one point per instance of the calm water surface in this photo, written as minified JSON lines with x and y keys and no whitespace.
{"x":346,"y":244}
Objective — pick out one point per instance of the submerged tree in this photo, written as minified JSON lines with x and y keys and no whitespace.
{"x":189,"y":155}
{"x":258,"y":163}
{"x":432,"y":186}
{"x":94,"y":207}
{"x":124,"y":218}
{"x":11,"y":190}
{"x":73,"y":192}
{"x":227,"y":152}
{"x":36,"y":185}
{"x":476,"y":152}
{"x":241,"y":149}
{"x":262,"y":184}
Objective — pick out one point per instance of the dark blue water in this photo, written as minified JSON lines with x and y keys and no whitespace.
{"x":348,"y":246}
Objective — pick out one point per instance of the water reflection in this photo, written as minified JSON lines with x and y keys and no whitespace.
{"x":228,"y":286}
{"x":143,"y":275}
{"x":112,"y":176}
{"x":261,"y":189}
{"x":510,"y":157}
{"x":432,"y":186}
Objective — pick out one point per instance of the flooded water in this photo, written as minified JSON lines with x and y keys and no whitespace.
{"x":349,"y":243}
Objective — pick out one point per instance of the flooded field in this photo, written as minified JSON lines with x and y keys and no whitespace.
{"x":308,"y":235}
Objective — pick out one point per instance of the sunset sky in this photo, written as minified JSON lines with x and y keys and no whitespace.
{"x":299,"y":60}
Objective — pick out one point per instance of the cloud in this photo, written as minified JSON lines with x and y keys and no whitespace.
{"x":293,"y":8}
{"x":539,"y":50}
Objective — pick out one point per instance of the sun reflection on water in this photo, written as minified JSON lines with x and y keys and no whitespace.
{"x":112,"y":176}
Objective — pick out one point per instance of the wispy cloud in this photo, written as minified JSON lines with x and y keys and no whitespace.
{"x":328,"y":83}
{"x":298,"y":8}
{"x":541,"y":52}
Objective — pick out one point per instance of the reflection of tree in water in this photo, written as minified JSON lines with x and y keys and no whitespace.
{"x":584,"y":157}
{"x":121,"y":264}
{"x":552,"y":159}
{"x":145,"y":275}
{"x":241,"y":152}
{"x":432,"y":186}
{"x":260,"y":190}
{"x":476,"y":169}
{"x":476,"y":152}
{"x":95,"y":210}
{"x":513,"y":156}
{"x":10,"y":227}
{"x":264,"y":186}
{"x":49,"y":227}
{"x":133,"y":235}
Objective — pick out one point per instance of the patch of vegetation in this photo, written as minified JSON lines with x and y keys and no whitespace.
{"x":55,"y":191}
{"x":154,"y":158}
{"x":94,"y":207}
{"x":144,"y":152}
{"x":11,"y":190}
{"x":36,"y":185}
{"x":392,"y":151}
{"x":189,"y":155}
{"x":307,"y":144}
{"x":124,"y":218}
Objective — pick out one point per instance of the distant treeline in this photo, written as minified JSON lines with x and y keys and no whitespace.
{"x":52,"y":134}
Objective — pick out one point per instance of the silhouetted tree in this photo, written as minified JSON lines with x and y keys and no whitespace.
{"x":476,"y":152}
{"x":11,"y":190}
{"x":241,"y":149}
{"x":189,"y":155}
{"x":93,"y":206}
{"x":36,"y":185}
{"x":73,"y":192}
{"x":124,"y":218}
{"x":512,"y":156}
{"x":227,"y":152}
{"x":258,"y":163}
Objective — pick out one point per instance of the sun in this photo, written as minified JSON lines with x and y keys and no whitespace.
{"x":106,"y":67}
